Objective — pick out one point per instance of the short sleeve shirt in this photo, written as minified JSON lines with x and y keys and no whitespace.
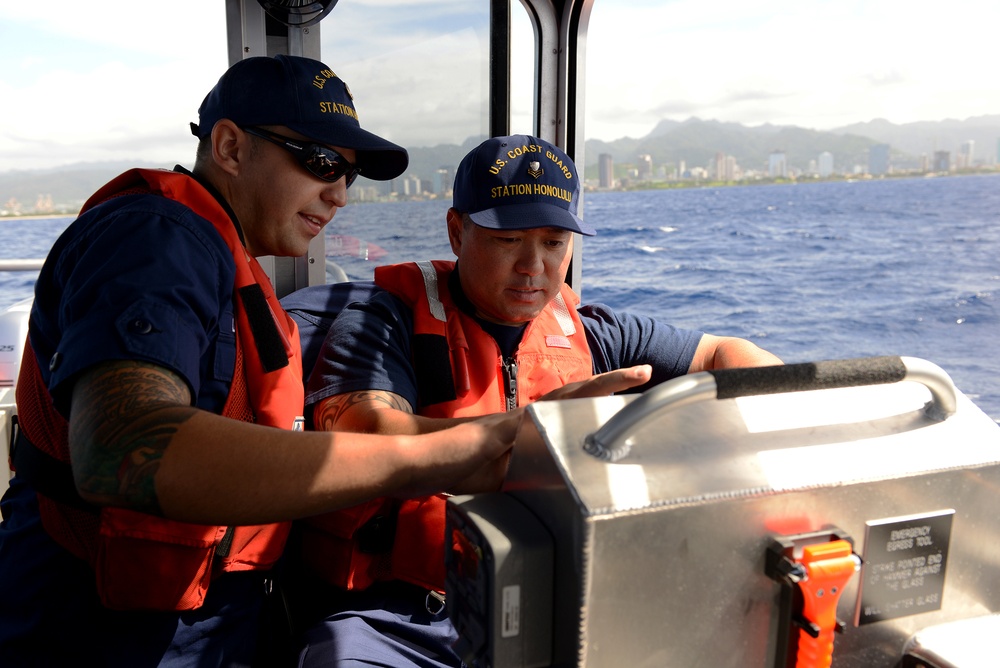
{"x":368,"y":348}
{"x":139,"y":277}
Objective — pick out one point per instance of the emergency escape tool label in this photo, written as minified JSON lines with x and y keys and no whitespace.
{"x":904,"y":566}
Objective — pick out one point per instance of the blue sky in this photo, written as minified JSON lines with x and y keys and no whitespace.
{"x":86,"y":81}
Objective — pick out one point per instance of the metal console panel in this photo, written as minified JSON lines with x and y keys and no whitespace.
{"x":660,"y":555}
{"x":957,"y":644}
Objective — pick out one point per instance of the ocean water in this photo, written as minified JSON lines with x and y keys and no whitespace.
{"x":810,"y":271}
{"x":816,"y":271}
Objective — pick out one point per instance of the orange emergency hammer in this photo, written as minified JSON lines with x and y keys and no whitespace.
{"x":828,"y":567}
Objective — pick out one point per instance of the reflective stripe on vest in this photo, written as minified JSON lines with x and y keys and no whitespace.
{"x":552,"y":353}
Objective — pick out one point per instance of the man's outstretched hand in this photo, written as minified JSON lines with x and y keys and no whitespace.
{"x":603,"y":384}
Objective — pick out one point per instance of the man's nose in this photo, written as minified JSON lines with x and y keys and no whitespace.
{"x":530,"y":260}
{"x":336,"y":192}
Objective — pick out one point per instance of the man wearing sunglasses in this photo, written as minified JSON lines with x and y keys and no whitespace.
{"x":157,"y":468}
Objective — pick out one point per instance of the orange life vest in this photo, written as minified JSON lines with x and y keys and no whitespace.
{"x":144,"y":562}
{"x":387,"y":539}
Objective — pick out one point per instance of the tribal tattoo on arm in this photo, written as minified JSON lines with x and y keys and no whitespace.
{"x":124,"y":415}
{"x":331,"y":411}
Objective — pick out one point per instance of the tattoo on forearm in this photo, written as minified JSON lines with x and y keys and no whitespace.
{"x":330,"y":411}
{"x":124,"y":416}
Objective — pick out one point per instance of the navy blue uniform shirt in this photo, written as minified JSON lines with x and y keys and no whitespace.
{"x":368,"y":348}
{"x":139,"y":277}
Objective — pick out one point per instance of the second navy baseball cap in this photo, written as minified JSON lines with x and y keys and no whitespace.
{"x":519,"y":182}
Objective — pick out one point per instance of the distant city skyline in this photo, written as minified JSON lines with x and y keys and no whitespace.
{"x":16,"y":194}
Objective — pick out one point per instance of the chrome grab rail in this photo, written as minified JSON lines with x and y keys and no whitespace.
{"x":611,"y":442}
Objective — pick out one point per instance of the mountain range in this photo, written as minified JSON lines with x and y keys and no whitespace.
{"x":695,"y":142}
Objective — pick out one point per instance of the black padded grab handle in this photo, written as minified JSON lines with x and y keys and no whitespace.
{"x":732,"y":383}
{"x":610,"y":442}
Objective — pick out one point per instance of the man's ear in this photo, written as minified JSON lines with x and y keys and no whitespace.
{"x":455,"y":226}
{"x":229,"y":146}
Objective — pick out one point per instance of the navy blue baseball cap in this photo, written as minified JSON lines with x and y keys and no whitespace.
{"x":306,"y":96}
{"x":518,"y":183}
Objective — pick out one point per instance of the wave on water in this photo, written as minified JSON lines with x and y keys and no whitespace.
{"x":816,"y":271}
{"x":810,"y":271}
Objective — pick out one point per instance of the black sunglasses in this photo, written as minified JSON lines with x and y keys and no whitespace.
{"x":319,"y":160}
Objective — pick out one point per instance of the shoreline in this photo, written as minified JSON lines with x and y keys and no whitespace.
{"x":633,"y":186}
{"x":40,"y":216}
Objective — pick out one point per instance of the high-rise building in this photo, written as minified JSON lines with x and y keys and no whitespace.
{"x":443,"y":181}
{"x":825,"y":164}
{"x":378,"y":189}
{"x":776,"y":165}
{"x":720,"y":166}
{"x":411,"y":185}
{"x":605,"y":170}
{"x":942,"y":161}
{"x":965,"y":154}
{"x":726,"y":168}
{"x":733,"y":171}
{"x":878,"y":159}
{"x":644,"y":166}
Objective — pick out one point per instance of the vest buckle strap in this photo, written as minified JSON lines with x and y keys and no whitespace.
{"x":435,"y":602}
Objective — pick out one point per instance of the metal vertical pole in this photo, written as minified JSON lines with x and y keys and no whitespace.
{"x":252,"y":33}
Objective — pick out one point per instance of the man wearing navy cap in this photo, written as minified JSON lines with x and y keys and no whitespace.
{"x":157,"y":468}
{"x":444,"y":342}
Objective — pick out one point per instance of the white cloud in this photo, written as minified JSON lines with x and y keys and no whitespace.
{"x":81,"y":84}
{"x":434,"y":102}
{"x":117,"y":24}
{"x":122,"y":80}
{"x":817,"y":64}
